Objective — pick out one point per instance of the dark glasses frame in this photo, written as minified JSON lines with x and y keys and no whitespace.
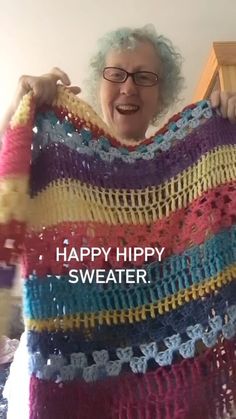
{"x":132,"y":75}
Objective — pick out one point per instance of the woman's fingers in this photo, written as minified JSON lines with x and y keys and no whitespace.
{"x":75,"y":89}
{"x":219,"y":100}
{"x":224,"y":96}
{"x":231,"y":112}
{"x":226,"y":103}
{"x":44,"y":87}
{"x":38,"y":90}
{"x":60,"y":75}
{"x":215,"y":99}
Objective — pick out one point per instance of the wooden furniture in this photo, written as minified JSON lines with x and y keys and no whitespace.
{"x":219,"y":72}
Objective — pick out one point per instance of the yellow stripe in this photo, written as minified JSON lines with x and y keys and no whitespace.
{"x":138,"y":314}
{"x":14,"y":199}
{"x":22,"y":114}
{"x":5,"y":295}
{"x":70,"y":200}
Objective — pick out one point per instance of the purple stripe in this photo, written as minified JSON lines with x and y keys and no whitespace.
{"x":60,"y":161}
{"x":7,"y":276}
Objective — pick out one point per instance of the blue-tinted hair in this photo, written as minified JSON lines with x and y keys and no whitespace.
{"x":171,"y":82}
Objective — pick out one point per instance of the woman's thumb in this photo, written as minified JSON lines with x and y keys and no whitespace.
{"x":74,"y":89}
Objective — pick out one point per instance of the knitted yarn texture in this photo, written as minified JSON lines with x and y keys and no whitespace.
{"x":164,"y":348}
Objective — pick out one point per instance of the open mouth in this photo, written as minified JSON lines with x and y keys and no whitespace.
{"x":127,"y":109}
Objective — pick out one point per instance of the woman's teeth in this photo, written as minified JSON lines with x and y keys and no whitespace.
{"x":127,"y":109}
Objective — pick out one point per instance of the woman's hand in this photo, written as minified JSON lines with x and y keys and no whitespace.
{"x":226,"y":103}
{"x":44,"y":87}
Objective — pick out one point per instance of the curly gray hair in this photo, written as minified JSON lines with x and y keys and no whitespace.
{"x":171,"y":80}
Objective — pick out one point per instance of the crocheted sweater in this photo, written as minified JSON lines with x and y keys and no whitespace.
{"x":159,"y":347}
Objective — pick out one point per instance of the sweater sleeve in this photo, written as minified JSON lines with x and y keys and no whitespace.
{"x":15,"y":157}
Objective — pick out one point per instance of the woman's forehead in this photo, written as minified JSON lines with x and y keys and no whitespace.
{"x":141,"y":56}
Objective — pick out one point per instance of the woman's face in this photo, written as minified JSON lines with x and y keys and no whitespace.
{"x":132,"y":124}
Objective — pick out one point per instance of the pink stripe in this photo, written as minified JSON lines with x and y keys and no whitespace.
{"x":15,"y":154}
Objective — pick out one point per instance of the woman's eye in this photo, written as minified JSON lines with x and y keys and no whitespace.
{"x":143,"y":77}
{"x":116,"y":75}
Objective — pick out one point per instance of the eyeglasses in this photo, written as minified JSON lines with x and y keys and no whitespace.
{"x":140,"y":78}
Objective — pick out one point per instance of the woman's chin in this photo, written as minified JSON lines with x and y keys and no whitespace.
{"x":128,"y":127}
{"x":130,"y":134}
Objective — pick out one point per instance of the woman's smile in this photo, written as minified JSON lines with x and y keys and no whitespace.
{"x":127,"y":109}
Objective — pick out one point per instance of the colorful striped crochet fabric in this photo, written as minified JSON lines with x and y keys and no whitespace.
{"x":160,"y":349}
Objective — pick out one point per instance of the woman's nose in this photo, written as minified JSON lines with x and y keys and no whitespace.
{"x":128,"y":87}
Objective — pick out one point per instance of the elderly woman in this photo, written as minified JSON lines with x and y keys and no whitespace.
{"x":135,"y":77}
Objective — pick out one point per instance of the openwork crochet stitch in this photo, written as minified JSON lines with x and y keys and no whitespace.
{"x":160,"y":350}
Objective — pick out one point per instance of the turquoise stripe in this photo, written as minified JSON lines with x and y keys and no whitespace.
{"x":84,"y":143}
{"x":52,"y":296}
